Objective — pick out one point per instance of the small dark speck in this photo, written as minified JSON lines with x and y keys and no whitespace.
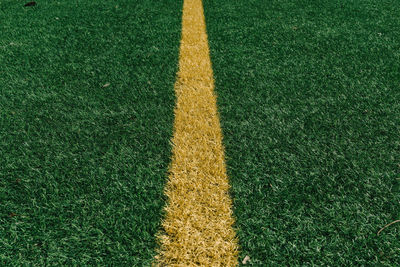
{"x":30,"y":4}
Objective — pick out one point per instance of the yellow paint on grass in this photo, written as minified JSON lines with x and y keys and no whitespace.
{"x":198,"y":225}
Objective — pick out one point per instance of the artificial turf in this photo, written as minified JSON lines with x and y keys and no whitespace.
{"x":198,"y":222}
{"x":86,"y":115}
{"x":309,"y":96}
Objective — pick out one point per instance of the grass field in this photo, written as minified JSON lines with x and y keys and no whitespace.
{"x":82,"y":166}
{"x":309,"y":95}
{"x":309,"y":102}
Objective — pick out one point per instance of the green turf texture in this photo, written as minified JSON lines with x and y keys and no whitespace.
{"x":83,"y":166}
{"x":309,"y":96}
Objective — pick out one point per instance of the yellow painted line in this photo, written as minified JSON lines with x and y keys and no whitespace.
{"x":198,"y":224}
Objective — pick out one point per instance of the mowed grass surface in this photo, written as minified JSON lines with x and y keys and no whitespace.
{"x":82,"y":166}
{"x":309,"y":96}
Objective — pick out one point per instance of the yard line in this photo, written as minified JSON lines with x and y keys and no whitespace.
{"x":198,"y":224}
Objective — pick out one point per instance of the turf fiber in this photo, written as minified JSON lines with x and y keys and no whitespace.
{"x":197,"y":229}
{"x":309,"y":98}
{"x":86,"y":114}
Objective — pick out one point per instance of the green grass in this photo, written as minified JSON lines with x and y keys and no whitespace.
{"x":82,"y":166}
{"x":309,"y":96}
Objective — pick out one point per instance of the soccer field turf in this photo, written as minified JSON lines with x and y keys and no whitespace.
{"x":309,"y":96}
{"x":309,"y":102}
{"x":82,"y":165}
